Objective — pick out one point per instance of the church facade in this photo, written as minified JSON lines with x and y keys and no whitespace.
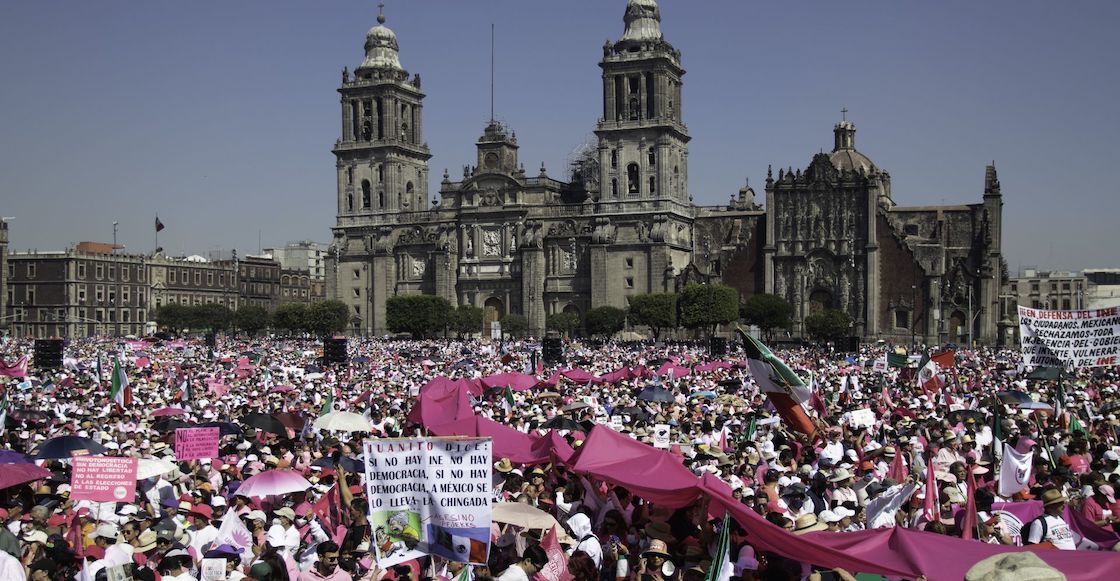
{"x":510,"y":241}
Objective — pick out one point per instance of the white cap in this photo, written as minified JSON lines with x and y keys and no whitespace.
{"x":828,"y":516}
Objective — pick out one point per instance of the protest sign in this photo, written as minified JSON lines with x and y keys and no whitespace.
{"x":661,"y":436}
{"x":103,"y":478}
{"x":880,"y":365}
{"x":1070,"y":339}
{"x":557,"y":567}
{"x":616,"y":423}
{"x":864,"y":418}
{"x":196,"y":443}
{"x":429,"y":496}
{"x":213,"y":570}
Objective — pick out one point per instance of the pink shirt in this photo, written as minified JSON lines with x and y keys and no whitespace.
{"x":1078,"y":463}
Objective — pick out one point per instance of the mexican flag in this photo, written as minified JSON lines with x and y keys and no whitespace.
{"x":119,"y":391}
{"x":328,"y":405}
{"x":721,"y":561}
{"x":785,"y":390}
{"x":896,"y":359}
{"x":928,"y":374}
{"x":507,"y":401}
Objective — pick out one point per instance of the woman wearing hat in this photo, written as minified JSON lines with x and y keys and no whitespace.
{"x":656,"y":563}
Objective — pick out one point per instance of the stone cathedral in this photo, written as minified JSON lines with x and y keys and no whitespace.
{"x":509,"y":240}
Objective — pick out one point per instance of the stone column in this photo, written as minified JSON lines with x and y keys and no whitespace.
{"x":382,"y":285}
{"x":532,"y":288}
{"x":600,"y":277}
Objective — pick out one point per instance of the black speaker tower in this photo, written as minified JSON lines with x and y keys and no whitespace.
{"x":553,"y":350}
{"x":334,"y":351}
{"x":48,"y":353}
{"x":717,"y":346}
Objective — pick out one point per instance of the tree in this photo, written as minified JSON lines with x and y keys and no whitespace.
{"x":703,"y":306}
{"x":251,"y":319}
{"x":210,"y":316}
{"x":563,"y":323}
{"x":326,"y":318}
{"x":828,"y":325}
{"x":656,"y":311}
{"x":291,"y":317}
{"x":418,"y":315}
{"x":172,"y":317}
{"x":465,"y":320}
{"x":767,"y":311}
{"x":605,"y":321}
{"x":515,"y":325}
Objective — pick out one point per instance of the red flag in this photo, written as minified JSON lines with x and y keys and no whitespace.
{"x":557,"y":567}
{"x":932,"y":500}
{"x":792,"y":413}
{"x":17,"y":369}
{"x":329,"y":509}
{"x":969,"y":525}
{"x":74,"y":536}
{"x":945,"y":359}
{"x":897,"y":471}
{"x":818,"y":404}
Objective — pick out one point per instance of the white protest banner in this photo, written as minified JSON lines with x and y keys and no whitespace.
{"x":1070,"y":339}
{"x":429,"y":496}
{"x":864,"y":418}
{"x":880,"y":365}
{"x":616,"y":423}
{"x":661,"y":436}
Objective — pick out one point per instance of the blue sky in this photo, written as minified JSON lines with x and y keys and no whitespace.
{"x":220,"y":116}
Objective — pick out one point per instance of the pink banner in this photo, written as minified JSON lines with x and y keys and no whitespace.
{"x":17,"y":369}
{"x":196,"y":443}
{"x":557,"y":567}
{"x":103,"y":478}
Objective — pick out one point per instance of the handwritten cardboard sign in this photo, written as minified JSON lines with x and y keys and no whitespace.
{"x":195,"y":443}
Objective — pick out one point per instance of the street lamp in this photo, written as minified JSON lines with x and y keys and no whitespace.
{"x":913,"y":315}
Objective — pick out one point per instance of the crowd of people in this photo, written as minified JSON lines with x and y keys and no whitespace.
{"x":882,"y":441}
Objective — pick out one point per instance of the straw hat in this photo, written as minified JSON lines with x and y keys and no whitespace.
{"x":808,"y":523}
{"x":1052,"y":496}
{"x":840,"y":475}
{"x":1023,"y":566}
{"x":657,"y":547}
{"x":504,"y":466}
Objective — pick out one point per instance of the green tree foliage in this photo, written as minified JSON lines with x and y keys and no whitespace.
{"x":291,"y":318}
{"x":418,"y":315}
{"x":211,"y":316}
{"x":656,"y":311}
{"x":828,"y":325}
{"x":605,"y":321}
{"x":703,"y":306}
{"x":252,"y":319}
{"x":173,"y":317}
{"x":767,"y":311}
{"x":563,"y":323}
{"x":465,"y":320}
{"x":515,"y":325}
{"x":326,"y":318}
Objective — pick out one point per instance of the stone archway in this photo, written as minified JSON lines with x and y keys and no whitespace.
{"x":493,"y":309}
{"x":819,"y":300}
{"x":570,"y":308}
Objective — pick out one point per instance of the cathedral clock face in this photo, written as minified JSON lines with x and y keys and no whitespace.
{"x":490,"y":161}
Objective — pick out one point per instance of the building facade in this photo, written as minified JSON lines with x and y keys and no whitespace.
{"x":1053,"y":290}
{"x":304,"y":255}
{"x":829,"y":236}
{"x":1103,"y":290}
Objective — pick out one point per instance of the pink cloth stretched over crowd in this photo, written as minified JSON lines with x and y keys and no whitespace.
{"x":515,"y":381}
{"x":678,"y":371}
{"x":713,"y":365}
{"x":552,"y":443}
{"x":658,"y":476}
{"x":1027,"y":511}
{"x":442,"y":400}
{"x":508,"y":442}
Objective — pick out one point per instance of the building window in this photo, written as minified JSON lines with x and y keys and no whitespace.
{"x":652,"y":156}
{"x":197,"y":278}
{"x":30,"y":270}
{"x":99,"y":294}
{"x":629,"y":282}
{"x":221,"y":280}
{"x":1065,"y":304}
{"x":30,"y":292}
{"x":285,"y":292}
{"x":357,"y":274}
{"x":365,"y":194}
{"x":81,"y":270}
{"x":357,"y":292}
{"x":124,"y":295}
{"x":652,"y":184}
{"x":124,"y":273}
{"x":614,"y":187}
{"x":614,"y":158}
{"x":81,"y":296}
{"x":902,"y":319}
{"x":632,"y":184}
{"x":1014,"y":287}
{"x":629,"y":262}
{"x":209,"y":279}
{"x":171,"y":276}
{"x":126,"y":316}
{"x":99,"y":272}
{"x":1065,"y":286}
{"x":1034,"y":287}
{"x":112,"y":272}
{"x":185,"y":276}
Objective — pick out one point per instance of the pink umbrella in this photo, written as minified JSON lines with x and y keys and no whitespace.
{"x":16,"y":474}
{"x":515,"y":381}
{"x":273,"y":483}
{"x":163,"y":412}
{"x":282,"y":389}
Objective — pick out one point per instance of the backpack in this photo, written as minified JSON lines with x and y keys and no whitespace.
{"x":1027,"y":530}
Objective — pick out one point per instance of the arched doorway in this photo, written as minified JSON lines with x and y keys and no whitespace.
{"x":570,"y":308}
{"x":956,"y":327}
{"x":492,"y":311}
{"x":819,"y":300}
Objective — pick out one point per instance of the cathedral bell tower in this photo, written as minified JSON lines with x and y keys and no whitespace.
{"x":643,"y":154}
{"x":382,"y":158}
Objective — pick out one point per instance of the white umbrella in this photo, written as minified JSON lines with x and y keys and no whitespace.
{"x":313,"y":376}
{"x":273,"y":483}
{"x":526,"y":516}
{"x":343,"y":422}
{"x":149,"y":467}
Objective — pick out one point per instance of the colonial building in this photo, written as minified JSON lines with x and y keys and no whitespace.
{"x":829,"y":236}
{"x":304,"y":255}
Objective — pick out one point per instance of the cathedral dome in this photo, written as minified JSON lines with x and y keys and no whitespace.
{"x":643,"y":21}
{"x":382,"y":51}
{"x":844,"y":155}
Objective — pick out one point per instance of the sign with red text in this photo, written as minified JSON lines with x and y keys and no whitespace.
{"x":1070,"y":339}
{"x":196,"y":443}
{"x":103,"y":478}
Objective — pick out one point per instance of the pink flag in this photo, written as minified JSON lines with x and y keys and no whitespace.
{"x":897,"y":471}
{"x":17,"y":369}
{"x":931,"y":501}
{"x":557,"y":567}
{"x":969,"y":525}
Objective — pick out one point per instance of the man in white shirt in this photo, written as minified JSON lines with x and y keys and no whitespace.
{"x":1050,"y":528}
{"x":532,"y":561}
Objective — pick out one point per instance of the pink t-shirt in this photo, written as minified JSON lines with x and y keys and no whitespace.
{"x":1078,"y":463}
{"x":1092,"y":510}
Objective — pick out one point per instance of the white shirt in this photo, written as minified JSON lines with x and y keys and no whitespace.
{"x":11,"y":568}
{"x":513,"y":573}
{"x":1057,"y":532}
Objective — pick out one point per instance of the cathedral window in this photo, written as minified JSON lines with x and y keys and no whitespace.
{"x":349,"y":175}
{"x":614,"y":158}
{"x":629,"y":282}
{"x":408,"y":188}
{"x":902,"y":319}
{"x":381,"y":199}
{"x":380,"y":173}
{"x":614,"y":187}
{"x":652,"y":184}
{"x":365,"y":193}
{"x":652,"y":156}
{"x":633,"y":186}
{"x":349,"y":201}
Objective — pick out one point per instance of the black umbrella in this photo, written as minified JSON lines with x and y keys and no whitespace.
{"x":169,"y":425}
{"x":1045,"y":373}
{"x":1014,"y":397}
{"x":735,"y":383}
{"x":264,"y":422}
{"x":636,"y":414}
{"x":1110,"y":407}
{"x":224,"y":428}
{"x":313,"y":369}
{"x":348,"y":463}
{"x":66,"y":446}
{"x":562,"y":423}
{"x":961,"y":416}
{"x":655,"y":393}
